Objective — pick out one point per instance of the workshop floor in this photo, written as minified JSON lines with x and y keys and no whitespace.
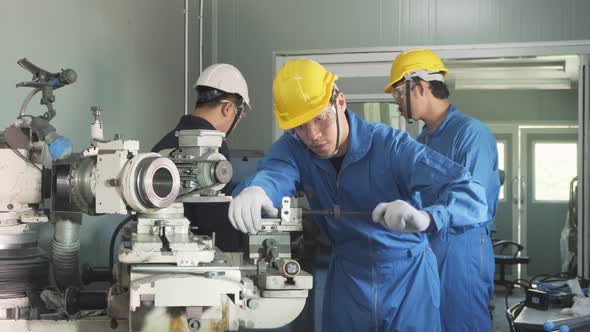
{"x":499,"y":322}
{"x":305,"y":321}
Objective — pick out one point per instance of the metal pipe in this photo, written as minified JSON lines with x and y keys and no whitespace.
{"x":335,"y":212}
{"x":65,"y":251}
{"x":186,"y":56}
{"x":200,"y":36}
{"x":288,"y":267}
{"x":66,"y":231}
{"x":92,"y":274}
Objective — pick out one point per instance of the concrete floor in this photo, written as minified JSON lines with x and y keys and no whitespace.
{"x":305,"y":321}
{"x":499,"y":322}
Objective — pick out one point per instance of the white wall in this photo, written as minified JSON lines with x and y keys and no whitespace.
{"x":129,"y":56}
{"x":246,"y":33}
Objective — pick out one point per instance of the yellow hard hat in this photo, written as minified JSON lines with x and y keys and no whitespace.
{"x":301,"y":90}
{"x":412,"y":60}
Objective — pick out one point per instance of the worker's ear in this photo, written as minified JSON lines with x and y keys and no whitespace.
{"x":422,"y":87}
{"x":340,"y":101}
{"x":227,"y":109}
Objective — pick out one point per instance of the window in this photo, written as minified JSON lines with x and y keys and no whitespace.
{"x":555,"y":165}
{"x":371,"y":112}
{"x":395,"y":119}
{"x":386,"y":113}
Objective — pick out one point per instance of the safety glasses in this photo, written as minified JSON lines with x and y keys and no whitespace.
{"x":241,"y":109}
{"x":321,"y":122}
{"x":400,"y":92}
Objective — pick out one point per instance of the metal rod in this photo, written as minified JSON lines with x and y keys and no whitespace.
{"x":335,"y":212}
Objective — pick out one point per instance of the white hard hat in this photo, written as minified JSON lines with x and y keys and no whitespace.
{"x":225,"y":77}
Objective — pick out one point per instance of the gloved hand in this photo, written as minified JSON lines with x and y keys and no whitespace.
{"x":245,"y":210}
{"x":401,"y":217}
{"x":581,"y":307}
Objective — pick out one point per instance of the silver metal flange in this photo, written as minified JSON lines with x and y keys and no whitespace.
{"x":149,"y":182}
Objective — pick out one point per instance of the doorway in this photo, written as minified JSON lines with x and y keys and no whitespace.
{"x":539,"y":162}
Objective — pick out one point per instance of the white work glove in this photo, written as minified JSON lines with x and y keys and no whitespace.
{"x":581,"y":307}
{"x":400,"y":216}
{"x":245,"y":210}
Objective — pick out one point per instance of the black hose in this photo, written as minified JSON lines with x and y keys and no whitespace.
{"x":114,"y":240}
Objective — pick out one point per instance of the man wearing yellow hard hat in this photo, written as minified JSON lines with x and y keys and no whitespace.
{"x":463,"y":249}
{"x":382,"y":273}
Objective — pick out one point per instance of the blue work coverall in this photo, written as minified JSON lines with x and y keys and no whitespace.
{"x":378,"y":280}
{"x":465,"y":254}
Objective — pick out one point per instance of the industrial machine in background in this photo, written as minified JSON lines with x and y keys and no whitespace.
{"x":166,"y":278}
{"x":568,"y":242}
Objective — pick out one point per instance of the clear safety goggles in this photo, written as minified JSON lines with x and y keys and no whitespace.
{"x":400,"y":92}
{"x":241,"y":109}
{"x":321,"y":122}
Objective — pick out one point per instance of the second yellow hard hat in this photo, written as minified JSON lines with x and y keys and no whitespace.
{"x":412,"y":60}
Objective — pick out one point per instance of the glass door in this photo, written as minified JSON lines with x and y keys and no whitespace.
{"x":549,"y":163}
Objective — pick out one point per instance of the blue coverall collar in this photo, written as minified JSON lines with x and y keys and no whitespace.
{"x":359,"y":139}
{"x":359,"y":142}
{"x":451,"y":112}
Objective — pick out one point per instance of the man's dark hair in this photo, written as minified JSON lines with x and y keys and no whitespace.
{"x":211,"y":97}
{"x":439,"y":89}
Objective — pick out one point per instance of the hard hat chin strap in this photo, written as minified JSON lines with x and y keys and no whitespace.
{"x":408,"y":103}
{"x":234,"y":123}
{"x":335,"y":109}
{"x":239,"y":110}
{"x":334,"y":101}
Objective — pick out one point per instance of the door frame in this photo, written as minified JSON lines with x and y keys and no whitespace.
{"x":519,"y":132}
{"x":584,"y":166}
{"x":512,"y":130}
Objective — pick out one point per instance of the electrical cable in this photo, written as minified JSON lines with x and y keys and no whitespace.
{"x":25,"y":159}
{"x":114,"y":239}
{"x":25,"y":103}
{"x":513,"y":311}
